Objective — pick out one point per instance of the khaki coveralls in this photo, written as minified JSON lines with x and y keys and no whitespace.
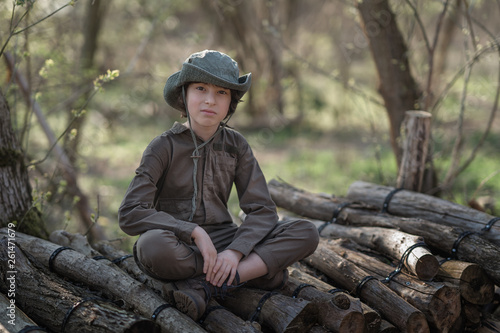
{"x":165,"y":249}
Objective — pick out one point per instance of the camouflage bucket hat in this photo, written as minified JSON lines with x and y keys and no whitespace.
{"x":207,"y":66}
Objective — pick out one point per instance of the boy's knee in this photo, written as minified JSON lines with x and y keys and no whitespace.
{"x":163,"y":256}
{"x":309,"y":234}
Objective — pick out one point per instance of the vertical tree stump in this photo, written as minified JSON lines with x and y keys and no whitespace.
{"x":415,"y":147}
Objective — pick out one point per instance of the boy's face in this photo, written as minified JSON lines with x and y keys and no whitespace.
{"x":208,"y":105}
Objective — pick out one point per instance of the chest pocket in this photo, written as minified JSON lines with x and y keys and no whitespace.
{"x":225,"y":169}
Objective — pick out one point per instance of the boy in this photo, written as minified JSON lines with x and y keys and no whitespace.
{"x":177,"y":201}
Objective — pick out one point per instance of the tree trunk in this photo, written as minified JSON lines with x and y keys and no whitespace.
{"x":69,"y":172}
{"x":96,"y":10}
{"x":377,"y":295}
{"x":415,"y":146}
{"x":16,"y":202}
{"x":397,"y":86}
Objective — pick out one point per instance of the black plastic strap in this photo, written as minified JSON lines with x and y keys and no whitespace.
{"x":54,"y":255}
{"x":387,"y":201}
{"x":120,"y":259}
{"x":363,"y":282}
{"x":299,"y":288}
{"x":490,"y":224}
{"x":100,"y":258}
{"x":76,"y":305}
{"x":336,"y":290}
{"x":454,"y":250}
{"x":32,"y":328}
{"x":263,"y":300}
{"x":335,"y":215}
{"x":209,"y":311}
{"x":159,"y":309}
{"x":404,"y":257}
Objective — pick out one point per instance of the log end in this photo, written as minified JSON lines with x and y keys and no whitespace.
{"x":417,"y":323}
{"x":444,"y":308}
{"x":354,"y":322}
{"x":427,"y":267}
{"x":475,"y":285}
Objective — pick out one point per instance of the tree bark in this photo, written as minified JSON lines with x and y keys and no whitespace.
{"x":440,"y":302}
{"x":371,"y":317}
{"x":415,"y":147}
{"x":390,"y":54}
{"x":394,"y":243}
{"x":220,"y":320}
{"x":114,"y":283}
{"x":123,"y":260}
{"x":336,"y":318}
{"x":377,"y":295}
{"x":279,"y":312}
{"x":387,"y":327}
{"x":412,"y":204}
{"x":49,"y":299}
{"x":16,"y":202}
{"x":13,"y":319}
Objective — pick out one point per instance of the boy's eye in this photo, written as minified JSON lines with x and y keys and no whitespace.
{"x":222,"y":92}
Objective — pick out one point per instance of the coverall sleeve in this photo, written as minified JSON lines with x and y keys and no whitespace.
{"x":136,"y":214}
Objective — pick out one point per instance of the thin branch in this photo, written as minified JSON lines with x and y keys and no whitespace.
{"x":455,"y":156}
{"x":471,"y":27}
{"x":421,"y":25}
{"x":13,"y":33}
{"x":323,"y":72}
{"x":484,"y":181}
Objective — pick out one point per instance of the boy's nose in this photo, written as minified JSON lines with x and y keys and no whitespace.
{"x":210,"y":98}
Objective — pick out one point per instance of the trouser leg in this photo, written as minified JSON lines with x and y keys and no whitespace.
{"x":160,"y":254}
{"x":288,"y":243}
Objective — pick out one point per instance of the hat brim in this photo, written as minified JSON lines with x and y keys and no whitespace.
{"x":191,"y":73}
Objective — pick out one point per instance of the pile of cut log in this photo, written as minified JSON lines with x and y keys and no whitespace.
{"x":416,"y":259}
{"x":388,"y":261}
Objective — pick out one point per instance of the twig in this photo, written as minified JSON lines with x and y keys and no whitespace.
{"x":13,"y":33}
{"x":421,"y":25}
{"x":455,"y":156}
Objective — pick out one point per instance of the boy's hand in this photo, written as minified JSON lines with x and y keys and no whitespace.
{"x":225,"y":267}
{"x":207,"y":249}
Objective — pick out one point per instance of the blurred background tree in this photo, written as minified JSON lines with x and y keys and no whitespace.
{"x":332,"y":80}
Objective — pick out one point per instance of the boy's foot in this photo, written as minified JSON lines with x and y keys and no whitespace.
{"x":276,"y":282}
{"x":192,"y":295}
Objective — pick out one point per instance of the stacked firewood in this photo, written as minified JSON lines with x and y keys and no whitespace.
{"x":388,"y":261}
{"x":440,"y":260}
